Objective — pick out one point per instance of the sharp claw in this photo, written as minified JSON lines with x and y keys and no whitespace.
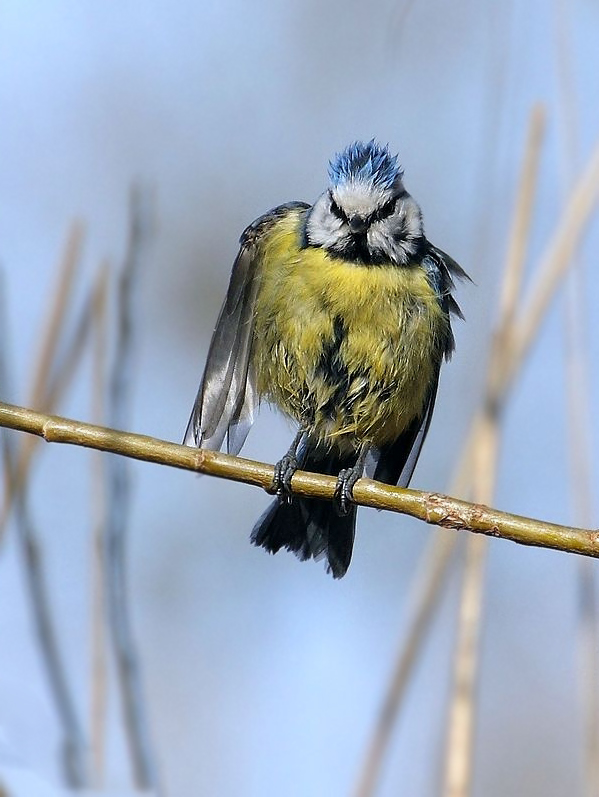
{"x":344,"y":489}
{"x":281,"y":483}
{"x":284,"y":470}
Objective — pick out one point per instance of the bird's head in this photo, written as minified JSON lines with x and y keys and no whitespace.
{"x":366,"y":215}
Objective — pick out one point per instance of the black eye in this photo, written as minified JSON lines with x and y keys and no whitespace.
{"x":336,"y":211}
{"x":386,"y":210}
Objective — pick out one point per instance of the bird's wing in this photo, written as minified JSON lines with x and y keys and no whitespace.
{"x":395,"y":463}
{"x":441,"y":270}
{"x":227,"y":397}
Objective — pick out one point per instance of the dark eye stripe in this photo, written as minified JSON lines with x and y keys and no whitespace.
{"x":382,"y":213}
{"x":385,"y":211}
{"x":336,"y":211}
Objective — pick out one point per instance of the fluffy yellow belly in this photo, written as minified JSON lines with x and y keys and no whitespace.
{"x":349,"y":350}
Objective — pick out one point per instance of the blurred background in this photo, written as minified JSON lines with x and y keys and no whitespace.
{"x":261,"y":675}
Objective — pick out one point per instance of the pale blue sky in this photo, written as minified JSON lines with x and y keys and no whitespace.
{"x":264,"y":676}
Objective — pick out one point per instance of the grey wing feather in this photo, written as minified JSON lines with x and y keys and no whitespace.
{"x":243,"y":418}
{"x":440,"y":269}
{"x":410,"y":464}
{"x":227,"y":397}
{"x":222,"y":395}
{"x":395,"y":463}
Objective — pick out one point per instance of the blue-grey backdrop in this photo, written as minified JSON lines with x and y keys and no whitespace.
{"x":264,"y":676}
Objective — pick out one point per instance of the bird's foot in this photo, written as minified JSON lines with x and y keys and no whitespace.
{"x":285,"y":468}
{"x":281,"y":483}
{"x":344,"y":489}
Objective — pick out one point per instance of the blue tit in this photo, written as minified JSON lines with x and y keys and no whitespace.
{"x":338,"y":313}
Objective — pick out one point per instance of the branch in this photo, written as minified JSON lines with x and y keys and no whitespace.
{"x":433,"y":508}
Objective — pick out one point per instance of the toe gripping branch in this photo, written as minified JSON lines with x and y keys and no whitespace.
{"x":285,"y":468}
{"x":346,"y":481}
{"x":288,"y":464}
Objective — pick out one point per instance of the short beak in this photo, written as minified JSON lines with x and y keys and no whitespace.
{"x":357,"y":224}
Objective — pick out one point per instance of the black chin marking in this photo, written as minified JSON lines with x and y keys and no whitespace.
{"x":355,"y":249}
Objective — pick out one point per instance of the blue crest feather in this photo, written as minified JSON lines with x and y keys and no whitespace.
{"x":367,"y":163}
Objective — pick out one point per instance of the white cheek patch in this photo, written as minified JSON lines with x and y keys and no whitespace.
{"x":323,"y":228}
{"x":398,"y":235}
{"x":379,"y":239}
{"x":412,"y":219}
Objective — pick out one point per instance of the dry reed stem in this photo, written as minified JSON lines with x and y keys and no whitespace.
{"x":579,"y":420}
{"x":553,"y":267}
{"x":522,"y":221}
{"x":73,"y":750}
{"x":425,"y":590}
{"x":74,"y":349}
{"x":589,"y":642}
{"x":458,"y":761}
{"x":459,"y":758}
{"x":579,"y":413}
{"x":557,"y":258}
{"x":49,"y":337}
{"x":128,"y":666}
{"x":98,"y":599}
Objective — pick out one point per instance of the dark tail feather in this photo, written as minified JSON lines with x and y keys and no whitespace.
{"x":308,"y":527}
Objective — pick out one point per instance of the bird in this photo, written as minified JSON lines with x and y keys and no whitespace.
{"x":338,"y":314}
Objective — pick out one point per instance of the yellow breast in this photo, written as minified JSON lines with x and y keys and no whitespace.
{"x":349,"y":349}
